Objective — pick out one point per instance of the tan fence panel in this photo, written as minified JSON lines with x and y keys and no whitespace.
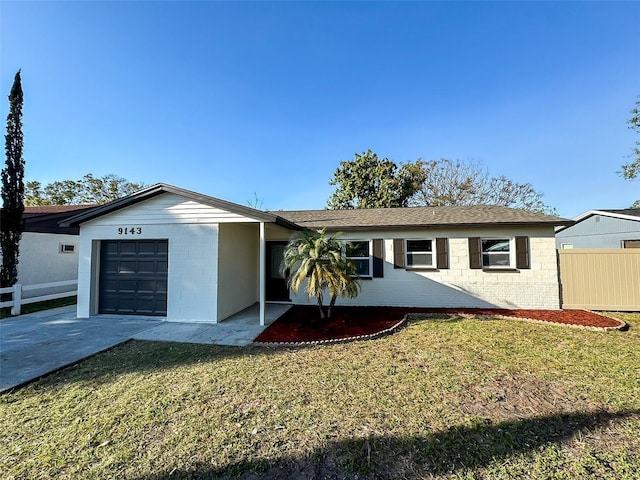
{"x":600,"y":279}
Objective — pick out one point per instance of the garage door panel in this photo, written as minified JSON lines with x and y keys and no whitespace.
{"x":127,"y":247}
{"x":147,"y":248}
{"x":133,"y":277}
{"x":147,"y":266}
{"x":109,"y":267}
{"x":127,"y":267}
{"x":109,"y":248}
{"x":149,"y":286}
{"x":126,"y":286}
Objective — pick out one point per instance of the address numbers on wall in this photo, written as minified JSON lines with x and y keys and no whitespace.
{"x":129,"y":230}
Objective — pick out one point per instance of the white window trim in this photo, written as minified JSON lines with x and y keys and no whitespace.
{"x":512,"y":253}
{"x":370,"y":258}
{"x":61,"y":248}
{"x":624,"y":240}
{"x":433,"y":253}
{"x":566,"y":246}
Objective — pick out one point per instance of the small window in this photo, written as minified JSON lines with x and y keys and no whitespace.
{"x":566,"y":246}
{"x":67,"y":248}
{"x":631,"y":244}
{"x":496,"y":253}
{"x":360,"y":254}
{"x":420,"y":254}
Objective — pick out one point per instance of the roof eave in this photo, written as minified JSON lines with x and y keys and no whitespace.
{"x":441,"y":225}
{"x":604,"y":213}
{"x":161,"y":188}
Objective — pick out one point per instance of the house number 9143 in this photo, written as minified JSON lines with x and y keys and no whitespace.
{"x":129,"y":230}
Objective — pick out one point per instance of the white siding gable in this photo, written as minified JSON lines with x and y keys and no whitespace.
{"x":168,"y":208}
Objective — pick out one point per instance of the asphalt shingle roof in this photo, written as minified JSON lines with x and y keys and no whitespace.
{"x":48,"y":209}
{"x":412,"y":217}
{"x":634,"y":212}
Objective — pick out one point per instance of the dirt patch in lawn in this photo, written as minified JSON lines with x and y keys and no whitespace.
{"x":303,"y":324}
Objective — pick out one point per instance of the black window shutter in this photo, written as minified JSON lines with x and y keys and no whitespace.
{"x":442,"y":252}
{"x":378,"y":258}
{"x":475,"y":253}
{"x":522,"y":253}
{"x":398,"y":253}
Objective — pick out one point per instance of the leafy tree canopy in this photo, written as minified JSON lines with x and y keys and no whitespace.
{"x":631,"y":170}
{"x":371,"y":182}
{"x":87,"y":190}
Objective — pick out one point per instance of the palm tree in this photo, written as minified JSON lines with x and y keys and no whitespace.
{"x":318,"y":259}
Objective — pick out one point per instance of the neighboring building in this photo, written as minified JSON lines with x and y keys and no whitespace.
{"x":602,"y":229}
{"x":190,"y":257}
{"x":48,"y":252}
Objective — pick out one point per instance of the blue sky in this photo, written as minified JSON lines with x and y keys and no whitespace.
{"x":232,"y":99}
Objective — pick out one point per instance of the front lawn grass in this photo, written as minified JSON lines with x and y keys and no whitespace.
{"x":442,"y":398}
{"x":39,"y":306}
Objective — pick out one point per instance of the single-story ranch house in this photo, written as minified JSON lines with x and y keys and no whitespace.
{"x":190,"y":257}
{"x":618,"y":228}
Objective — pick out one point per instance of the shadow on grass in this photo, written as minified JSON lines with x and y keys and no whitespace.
{"x":137,"y":356}
{"x":381,"y":457}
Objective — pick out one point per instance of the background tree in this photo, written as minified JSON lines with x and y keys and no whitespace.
{"x":87,"y":190}
{"x":447,"y":182}
{"x":12,"y":188}
{"x":631,"y":170}
{"x":372,"y":182}
{"x":316,"y":260}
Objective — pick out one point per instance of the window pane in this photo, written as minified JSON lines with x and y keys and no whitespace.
{"x":358,"y":249}
{"x":495,"y":259}
{"x":277,"y":254}
{"x":362,"y":267}
{"x":419,"y":245}
{"x":501,"y":245}
{"x":419,"y":259}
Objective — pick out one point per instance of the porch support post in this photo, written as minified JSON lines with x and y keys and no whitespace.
{"x":263,"y":271}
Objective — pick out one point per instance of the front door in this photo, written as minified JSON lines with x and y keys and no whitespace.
{"x":276,"y":283}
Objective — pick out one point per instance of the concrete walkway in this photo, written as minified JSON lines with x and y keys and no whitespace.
{"x":238,"y":330}
{"x":38,"y":343}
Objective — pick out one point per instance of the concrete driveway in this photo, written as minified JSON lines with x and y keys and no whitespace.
{"x":38,"y":343}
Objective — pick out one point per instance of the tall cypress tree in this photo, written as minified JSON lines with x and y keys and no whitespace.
{"x":12,"y":188}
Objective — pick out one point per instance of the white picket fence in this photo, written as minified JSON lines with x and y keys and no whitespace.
{"x":17,"y":290}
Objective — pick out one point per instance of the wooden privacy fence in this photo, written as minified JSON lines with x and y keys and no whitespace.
{"x":17,"y":300}
{"x":600,"y":279}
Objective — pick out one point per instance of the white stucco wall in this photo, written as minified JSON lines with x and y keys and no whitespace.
{"x":460,"y":286}
{"x":41,"y":261}
{"x":192,"y":231}
{"x":238,"y":268}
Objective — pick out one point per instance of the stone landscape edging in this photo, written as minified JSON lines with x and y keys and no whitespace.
{"x":331,"y":341}
{"x":417,"y":316}
{"x":622,"y":325}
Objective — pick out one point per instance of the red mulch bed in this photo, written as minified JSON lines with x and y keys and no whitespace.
{"x":303,"y":324}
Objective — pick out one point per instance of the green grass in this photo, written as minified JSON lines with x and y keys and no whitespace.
{"x":469,"y":399}
{"x":38,"y":306}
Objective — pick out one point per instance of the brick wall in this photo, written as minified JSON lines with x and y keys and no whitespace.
{"x":459,"y":285}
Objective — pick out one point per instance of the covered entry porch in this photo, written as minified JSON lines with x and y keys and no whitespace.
{"x":238,"y":330}
{"x":173,"y":253}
